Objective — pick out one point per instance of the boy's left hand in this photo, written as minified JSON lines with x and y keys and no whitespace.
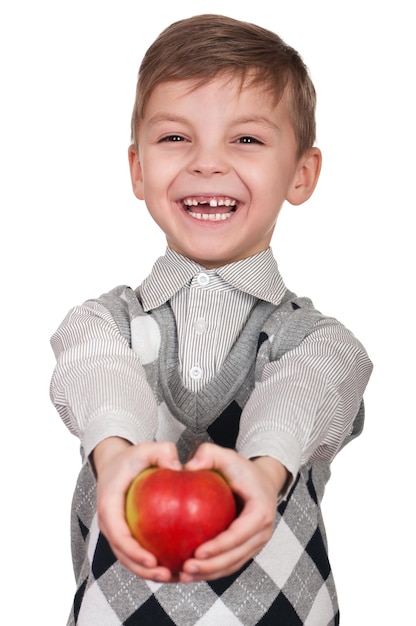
{"x":257,"y":483}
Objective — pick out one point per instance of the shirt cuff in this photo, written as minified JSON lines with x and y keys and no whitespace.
{"x":280,"y":446}
{"x":109,"y":425}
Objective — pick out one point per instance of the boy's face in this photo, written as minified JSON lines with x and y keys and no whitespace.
{"x":214,"y":166}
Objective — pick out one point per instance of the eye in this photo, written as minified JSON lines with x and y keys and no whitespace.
{"x":172,"y":138}
{"x":247,"y":139}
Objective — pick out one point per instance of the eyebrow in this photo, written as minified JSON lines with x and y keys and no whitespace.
{"x":158,"y":118}
{"x":257,"y":119}
{"x":161,"y":117}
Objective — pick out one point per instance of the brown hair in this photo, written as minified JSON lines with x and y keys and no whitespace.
{"x":203,"y":46}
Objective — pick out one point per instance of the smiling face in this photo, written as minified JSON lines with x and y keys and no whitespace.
{"x":214,"y":165}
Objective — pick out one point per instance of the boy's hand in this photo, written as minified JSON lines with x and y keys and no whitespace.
{"x":257,"y":483}
{"x":117,"y":463}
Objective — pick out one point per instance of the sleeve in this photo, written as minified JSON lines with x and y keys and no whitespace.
{"x":99,"y":386}
{"x":305,"y":404}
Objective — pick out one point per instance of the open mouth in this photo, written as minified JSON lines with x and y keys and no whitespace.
{"x":213,"y":208}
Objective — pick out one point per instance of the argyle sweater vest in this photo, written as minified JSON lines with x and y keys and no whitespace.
{"x":289,"y":583}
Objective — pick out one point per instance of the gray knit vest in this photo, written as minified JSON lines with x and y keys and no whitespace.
{"x":213,"y":414}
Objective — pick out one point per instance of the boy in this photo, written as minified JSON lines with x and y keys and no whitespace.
{"x":212,"y":351}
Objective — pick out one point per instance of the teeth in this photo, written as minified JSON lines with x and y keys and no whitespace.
{"x":212,"y":202}
{"x":211,"y":217}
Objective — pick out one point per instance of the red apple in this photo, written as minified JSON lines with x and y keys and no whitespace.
{"x":171,"y":513}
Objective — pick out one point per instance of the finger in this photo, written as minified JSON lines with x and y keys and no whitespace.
{"x":155,"y":573}
{"x":144,"y":455}
{"x":211,"y":456}
{"x":238,"y":533}
{"x":245,"y":530}
{"x":221,"y":565}
{"x":131,"y":554}
{"x":237,"y":470}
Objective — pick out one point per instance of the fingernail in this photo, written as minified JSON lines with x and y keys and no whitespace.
{"x":159,"y":578}
{"x":189,"y":579}
{"x":203,"y":555}
{"x":192,"y":569}
{"x":193,"y":463}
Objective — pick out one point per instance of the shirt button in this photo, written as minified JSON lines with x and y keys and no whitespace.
{"x":200,"y":325}
{"x":202,"y":279}
{"x":195,"y":373}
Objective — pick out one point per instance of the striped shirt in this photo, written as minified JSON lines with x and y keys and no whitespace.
{"x":211,"y":307}
{"x":308,"y":398}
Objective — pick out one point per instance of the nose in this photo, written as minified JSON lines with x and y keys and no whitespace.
{"x":208,"y":161}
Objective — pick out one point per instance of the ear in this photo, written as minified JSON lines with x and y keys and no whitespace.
{"x":136,"y":173}
{"x":306,"y":177}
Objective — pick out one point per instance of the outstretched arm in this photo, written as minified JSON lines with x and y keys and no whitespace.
{"x":99,"y":386}
{"x":304,"y":406}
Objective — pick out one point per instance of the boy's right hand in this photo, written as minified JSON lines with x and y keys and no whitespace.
{"x":117,"y":463}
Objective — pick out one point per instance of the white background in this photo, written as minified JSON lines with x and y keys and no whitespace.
{"x":72,"y":229}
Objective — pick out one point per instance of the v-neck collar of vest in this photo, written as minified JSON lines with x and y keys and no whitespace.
{"x":197,"y":410}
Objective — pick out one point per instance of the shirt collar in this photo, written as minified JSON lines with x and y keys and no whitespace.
{"x":257,"y":275}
